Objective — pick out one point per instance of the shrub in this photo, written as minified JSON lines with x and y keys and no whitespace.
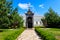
{"x":39,"y":27}
{"x":45,"y":34}
{"x":14,"y":34}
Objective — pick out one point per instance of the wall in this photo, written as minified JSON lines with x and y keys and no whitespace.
{"x":36,"y":21}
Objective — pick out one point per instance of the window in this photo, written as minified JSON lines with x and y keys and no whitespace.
{"x":40,"y":22}
{"x":36,"y":22}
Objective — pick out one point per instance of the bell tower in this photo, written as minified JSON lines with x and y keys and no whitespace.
{"x":29,"y":18}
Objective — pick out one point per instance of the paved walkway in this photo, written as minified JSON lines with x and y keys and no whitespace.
{"x":29,"y":34}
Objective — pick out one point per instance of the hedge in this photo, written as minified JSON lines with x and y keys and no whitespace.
{"x":46,"y":35}
{"x":14,"y":34}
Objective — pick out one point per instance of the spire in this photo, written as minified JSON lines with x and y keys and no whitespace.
{"x":29,"y":12}
{"x":28,"y":6}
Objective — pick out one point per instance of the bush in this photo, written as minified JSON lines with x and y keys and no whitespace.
{"x":45,"y":34}
{"x":39,"y":27}
{"x":14,"y":34}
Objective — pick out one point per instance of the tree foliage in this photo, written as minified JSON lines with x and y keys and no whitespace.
{"x":9,"y":18}
{"x":52,"y":19}
{"x":15,"y":19}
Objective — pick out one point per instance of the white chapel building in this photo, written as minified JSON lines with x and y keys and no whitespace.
{"x":36,"y":20}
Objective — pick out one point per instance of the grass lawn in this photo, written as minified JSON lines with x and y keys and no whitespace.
{"x":10,"y":34}
{"x":54,"y":31}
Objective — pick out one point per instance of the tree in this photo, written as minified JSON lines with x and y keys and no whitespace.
{"x":9,"y":18}
{"x":15,"y":19}
{"x":4,"y":10}
{"x":52,"y":18}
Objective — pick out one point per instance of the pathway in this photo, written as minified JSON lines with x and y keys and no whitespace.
{"x":29,"y":34}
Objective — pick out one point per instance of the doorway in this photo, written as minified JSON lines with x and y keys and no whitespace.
{"x":30,"y":22}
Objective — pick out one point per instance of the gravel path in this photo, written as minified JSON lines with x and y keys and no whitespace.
{"x":29,"y":34}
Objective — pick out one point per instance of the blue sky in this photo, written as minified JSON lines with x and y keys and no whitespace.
{"x":38,"y":7}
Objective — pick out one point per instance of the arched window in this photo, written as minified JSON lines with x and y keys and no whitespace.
{"x":36,"y":22}
{"x":40,"y":22}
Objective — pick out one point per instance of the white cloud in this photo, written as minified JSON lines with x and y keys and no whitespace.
{"x":41,"y":5}
{"x":24,"y":5}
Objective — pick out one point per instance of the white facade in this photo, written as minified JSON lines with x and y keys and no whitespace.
{"x":36,"y":20}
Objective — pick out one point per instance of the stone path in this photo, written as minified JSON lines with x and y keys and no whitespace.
{"x":29,"y":34}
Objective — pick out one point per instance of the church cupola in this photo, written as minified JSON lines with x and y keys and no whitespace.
{"x":29,"y":18}
{"x":29,"y":12}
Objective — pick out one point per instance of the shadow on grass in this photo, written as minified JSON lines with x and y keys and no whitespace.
{"x":1,"y":30}
{"x":39,"y":35}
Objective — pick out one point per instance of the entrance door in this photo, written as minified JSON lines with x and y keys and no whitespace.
{"x":30,"y":22}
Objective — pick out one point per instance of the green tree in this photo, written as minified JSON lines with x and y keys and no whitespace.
{"x":52,"y":18}
{"x":15,"y":19}
{"x":9,"y":18}
{"x":4,"y":10}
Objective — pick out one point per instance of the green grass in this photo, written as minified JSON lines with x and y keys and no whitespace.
{"x":55,"y":31}
{"x":10,"y":34}
{"x":45,"y":33}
